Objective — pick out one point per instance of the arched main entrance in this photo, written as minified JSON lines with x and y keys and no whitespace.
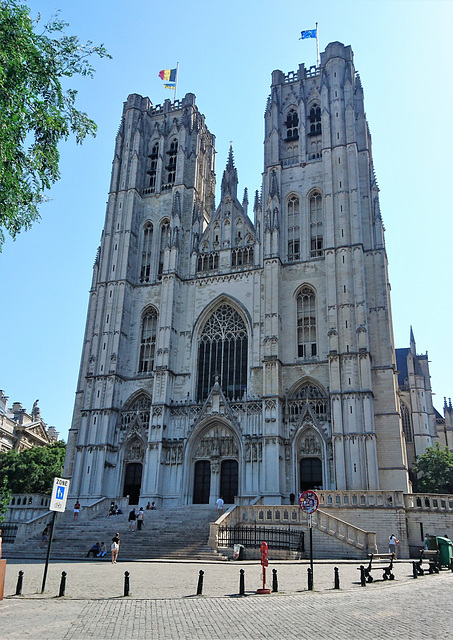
{"x":214,"y":458}
{"x":202,"y":482}
{"x":229,"y":480}
{"x":133,"y":481}
{"x":310,"y":473}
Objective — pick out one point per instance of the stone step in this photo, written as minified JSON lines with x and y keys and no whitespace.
{"x":180,"y":533}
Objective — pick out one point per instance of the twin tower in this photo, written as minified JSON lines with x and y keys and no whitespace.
{"x":241,"y":350}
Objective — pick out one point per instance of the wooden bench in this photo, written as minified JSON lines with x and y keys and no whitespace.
{"x":376,"y":560}
{"x":430,"y":556}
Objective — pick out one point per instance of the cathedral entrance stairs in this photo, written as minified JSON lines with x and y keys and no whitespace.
{"x":180,"y":533}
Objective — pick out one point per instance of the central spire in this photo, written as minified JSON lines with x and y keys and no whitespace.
{"x":230,"y":177}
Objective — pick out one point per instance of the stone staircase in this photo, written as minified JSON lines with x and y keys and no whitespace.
{"x":180,"y":533}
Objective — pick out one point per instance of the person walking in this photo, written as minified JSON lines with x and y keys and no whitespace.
{"x":115,"y":547}
{"x":45,"y":536}
{"x":392,"y":545}
{"x":219,"y":505}
{"x":132,"y":518}
{"x":140,"y":519}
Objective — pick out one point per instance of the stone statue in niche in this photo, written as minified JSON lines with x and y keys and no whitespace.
{"x":311,"y":445}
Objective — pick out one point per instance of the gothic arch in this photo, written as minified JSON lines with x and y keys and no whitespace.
{"x":311,"y":456}
{"x":225,"y":323}
{"x":213,"y":442}
{"x":308,"y":397}
{"x":212,"y":306}
{"x":134,"y":416}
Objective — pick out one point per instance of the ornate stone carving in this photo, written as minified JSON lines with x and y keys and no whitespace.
{"x":310,"y":445}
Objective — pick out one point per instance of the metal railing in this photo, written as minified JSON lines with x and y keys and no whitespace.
{"x":9,"y":532}
{"x":253,"y":536}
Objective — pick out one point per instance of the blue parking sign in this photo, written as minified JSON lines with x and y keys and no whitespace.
{"x":59,"y":494}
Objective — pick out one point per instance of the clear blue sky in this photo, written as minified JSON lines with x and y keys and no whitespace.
{"x":226,"y":52}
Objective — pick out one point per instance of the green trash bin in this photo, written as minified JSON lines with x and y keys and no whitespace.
{"x":445,"y":546}
{"x":431,"y":543}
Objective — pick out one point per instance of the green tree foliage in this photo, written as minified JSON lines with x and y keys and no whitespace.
{"x":36,"y":112}
{"x":33,"y":470}
{"x":5,"y":497}
{"x":435,"y":470}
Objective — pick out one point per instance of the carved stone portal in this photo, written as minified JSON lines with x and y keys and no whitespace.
{"x":218,"y":442}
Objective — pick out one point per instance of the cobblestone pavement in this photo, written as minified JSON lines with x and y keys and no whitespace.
{"x":162,"y":604}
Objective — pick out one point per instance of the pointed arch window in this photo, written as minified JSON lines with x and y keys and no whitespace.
{"x":153,"y":167}
{"x":406,"y":423}
{"x":222,"y":352}
{"x":292,"y":125}
{"x":145,"y":268}
{"x":316,"y":226}
{"x":314,"y":119}
{"x":140,"y":409}
{"x":293,"y":229}
{"x":311,"y":396}
{"x":164,"y":233}
{"x":306,"y":323}
{"x":148,"y":341}
{"x":171,"y":167}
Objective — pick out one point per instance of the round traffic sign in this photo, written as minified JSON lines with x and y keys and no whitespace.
{"x":309,"y":501}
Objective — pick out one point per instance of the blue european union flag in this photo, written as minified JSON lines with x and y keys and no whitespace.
{"x":309,"y":33}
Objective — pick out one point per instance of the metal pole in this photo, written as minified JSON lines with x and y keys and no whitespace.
{"x":311,"y":542}
{"x":48,"y":552}
{"x":176,"y":83}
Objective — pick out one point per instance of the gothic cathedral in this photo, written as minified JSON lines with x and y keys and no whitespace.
{"x":225,"y":356}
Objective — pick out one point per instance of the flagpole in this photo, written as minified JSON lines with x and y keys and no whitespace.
{"x":317,"y":46}
{"x":177,"y":73}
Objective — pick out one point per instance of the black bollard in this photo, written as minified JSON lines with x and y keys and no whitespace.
{"x":310,"y":579}
{"x":414,"y":570}
{"x":451,"y":565}
{"x":20,"y":580}
{"x":62,"y":584}
{"x":274,"y":581}
{"x":336,"y":578}
{"x":362,"y":576}
{"x":241,"y":582}
{"x":126,"y":583}
{"x":200,"y":583}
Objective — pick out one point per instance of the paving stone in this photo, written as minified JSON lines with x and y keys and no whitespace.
{"x":163,"y":603}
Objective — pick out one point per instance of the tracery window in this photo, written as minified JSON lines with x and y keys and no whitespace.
{"x":139,"y":408}
{"x":153,"y":167}
{"x":306,"y":323}
{"x":316,"y":226}
{"x":145,"y":269}
{"x":293,"y":229}
{"x":222,"y":352}
{"x":310,"y":395}
{"x":315,"y":120}
{"x":148,"y":341}
{"x":164,"y":231}
{"x":292,"y":125}
{"x":208,"y":261}
{"x":406,"y":422}
{"x":240,"y":257}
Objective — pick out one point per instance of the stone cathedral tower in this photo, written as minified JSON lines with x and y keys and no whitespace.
{"x":225,"y":356}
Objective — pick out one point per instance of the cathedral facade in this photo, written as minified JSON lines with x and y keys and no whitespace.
{"x":225,"y":356}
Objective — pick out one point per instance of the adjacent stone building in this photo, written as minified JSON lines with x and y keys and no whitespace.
{"x":235,"y":352}
{"x":21,"y":430}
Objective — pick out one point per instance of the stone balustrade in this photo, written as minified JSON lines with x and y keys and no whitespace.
{"x":428,"y":502}
{"x":390,"y":499}
{"x":284,"y":515}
